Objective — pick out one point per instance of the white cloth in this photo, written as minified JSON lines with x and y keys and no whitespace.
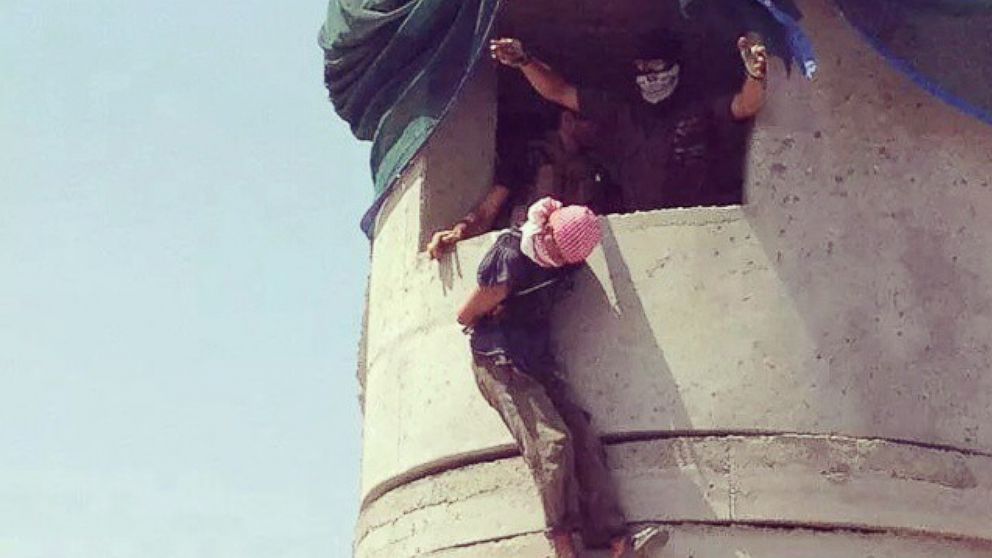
{"x":531,"y":232}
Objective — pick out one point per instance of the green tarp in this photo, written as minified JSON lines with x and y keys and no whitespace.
{"x":393,"y":68}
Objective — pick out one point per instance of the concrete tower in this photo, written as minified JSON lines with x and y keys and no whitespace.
{"x":805,"y":375}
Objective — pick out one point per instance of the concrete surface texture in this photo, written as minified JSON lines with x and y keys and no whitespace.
{"x":806,"y":375}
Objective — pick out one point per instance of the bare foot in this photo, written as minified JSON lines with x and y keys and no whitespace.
{"x":622,"y":547}
{"x":564,"y":545}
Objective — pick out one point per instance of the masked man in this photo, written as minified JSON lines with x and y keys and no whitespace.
{"x":662,"y":129}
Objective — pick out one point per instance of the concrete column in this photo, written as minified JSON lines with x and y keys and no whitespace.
{"x":804,"y":375}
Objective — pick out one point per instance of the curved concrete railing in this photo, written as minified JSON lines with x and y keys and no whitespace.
{"x":809,"y":369}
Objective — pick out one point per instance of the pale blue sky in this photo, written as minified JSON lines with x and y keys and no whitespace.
{"x":181,"y":280}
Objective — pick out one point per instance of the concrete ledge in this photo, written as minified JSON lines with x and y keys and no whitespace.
{"x":743,"y":541}
{"x":795,"y":481}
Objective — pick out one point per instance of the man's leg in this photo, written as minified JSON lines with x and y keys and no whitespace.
{"x":543,"y":439}
{"x":602,"y":517}
{"x":604,"y":524}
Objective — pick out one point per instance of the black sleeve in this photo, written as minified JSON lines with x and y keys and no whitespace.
{"x":501,"y":263}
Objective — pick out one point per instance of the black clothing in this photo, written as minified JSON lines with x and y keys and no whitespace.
{"x":533,"y":162}
{"x":686,"y":150}
{"x":520,"y":331}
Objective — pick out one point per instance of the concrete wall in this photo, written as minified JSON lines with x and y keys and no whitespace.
{"x":806,"y":375}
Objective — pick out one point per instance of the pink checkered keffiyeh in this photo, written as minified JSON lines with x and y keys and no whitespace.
{"x":574,"y":233}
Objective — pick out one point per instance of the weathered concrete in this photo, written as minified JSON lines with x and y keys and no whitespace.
{"x":688,"y":541}
{"x":825,"y":482}
{"x":697,"y":334}
{"x":459,"y":159}
{"x":839,"y":323}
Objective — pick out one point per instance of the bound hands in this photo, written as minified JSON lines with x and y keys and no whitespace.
{"x":509,"y":52}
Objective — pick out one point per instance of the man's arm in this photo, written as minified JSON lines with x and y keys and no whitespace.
{"x":749,"y":101}
{"x":751,"y":98}
{"x":480,"y":220}
{"x":481,"y":302}
{"x":548,"y":83}
{"x":476,"y":222}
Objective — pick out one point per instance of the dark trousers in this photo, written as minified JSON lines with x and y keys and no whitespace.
{"x":561,"y":449}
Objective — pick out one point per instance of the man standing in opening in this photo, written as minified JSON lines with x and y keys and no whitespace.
{"x":507,"y":317}
{"x":663,"y":128}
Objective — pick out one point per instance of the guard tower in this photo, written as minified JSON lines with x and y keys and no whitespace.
{"x":803,"y":375}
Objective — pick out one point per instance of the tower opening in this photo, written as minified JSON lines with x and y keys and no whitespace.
{"x":542,"y":148}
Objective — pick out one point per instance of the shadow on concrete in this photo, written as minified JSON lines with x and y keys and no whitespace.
{"x":614,"y":358}
{"x":613,"y":361}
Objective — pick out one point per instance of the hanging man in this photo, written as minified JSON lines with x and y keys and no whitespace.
{"x":508,"y":319}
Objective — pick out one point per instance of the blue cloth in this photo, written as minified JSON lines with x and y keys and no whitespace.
{"x":393,"y":69}
{"x":776,"y":20}
{"x":799,"y":44}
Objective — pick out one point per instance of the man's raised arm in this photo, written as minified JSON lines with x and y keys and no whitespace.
{"x":548,"y":83}
{"x":751,"y":98}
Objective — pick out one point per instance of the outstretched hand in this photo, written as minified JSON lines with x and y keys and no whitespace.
{"x":509,"y":52}
{"x":442,"y":241}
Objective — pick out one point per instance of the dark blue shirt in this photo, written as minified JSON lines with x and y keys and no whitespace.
{"x":520,"y":331}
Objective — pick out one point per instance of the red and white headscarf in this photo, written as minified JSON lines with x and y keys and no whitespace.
{"x":556,"y":235}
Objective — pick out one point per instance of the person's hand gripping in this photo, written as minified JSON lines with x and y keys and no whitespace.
{"x":509,"y":52}
{"x":443,"y":241}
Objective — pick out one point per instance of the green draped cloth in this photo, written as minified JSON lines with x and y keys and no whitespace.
{"x":393,"y":68}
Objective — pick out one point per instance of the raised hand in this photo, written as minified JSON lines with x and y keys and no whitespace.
{"x":755,"y":56}
{"x":509,"y":52}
